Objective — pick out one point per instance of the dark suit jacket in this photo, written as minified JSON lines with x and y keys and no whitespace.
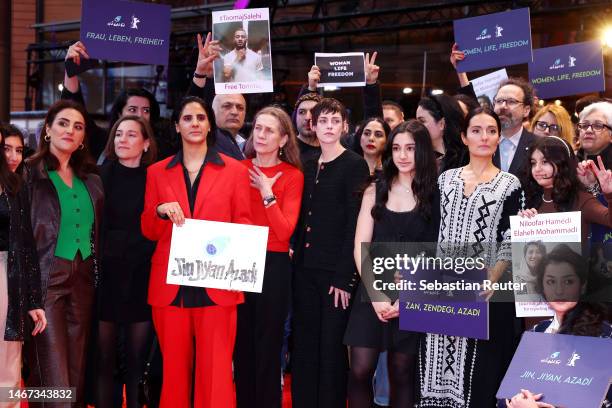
{"x":520,"y":159}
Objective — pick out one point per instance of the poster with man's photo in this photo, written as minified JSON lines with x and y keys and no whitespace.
{"x":532,"y":240}
{"x":245,"y":65}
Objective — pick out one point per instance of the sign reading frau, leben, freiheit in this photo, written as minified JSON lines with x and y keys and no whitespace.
{"x":126,"y":31}
{"x":218,"y":255}
{"x":570,"y":371}
{"x":342,"y":70}
{"x":494,"y":40}
{"x":568,"y":69}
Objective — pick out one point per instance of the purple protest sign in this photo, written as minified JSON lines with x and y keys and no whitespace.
{"x":568,"y":69}
{"x":571,"y":371}
{"x":445,"y":303}
{"x":494,"y":40}
{"x":126,"y":31}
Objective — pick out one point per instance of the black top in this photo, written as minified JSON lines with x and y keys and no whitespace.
{"x":5,"y":221}
{"x":308,"y":152}
{"x":190,"y":296}
{"x":328,"y":216}
{"x":126,"y":253}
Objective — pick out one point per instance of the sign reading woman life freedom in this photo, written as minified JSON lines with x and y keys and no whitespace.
{"x":126,"y":31}
{"x":342,"y":70}
{"x":569,"y":69}
{"x":494,"y":40}
{"x":218,"y":255}
{"x":245,"y":65}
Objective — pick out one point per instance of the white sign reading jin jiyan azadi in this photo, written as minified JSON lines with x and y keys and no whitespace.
{"x":218,"y":255}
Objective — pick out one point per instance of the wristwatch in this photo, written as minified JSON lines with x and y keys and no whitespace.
{"x":267,"y":200}
{"x":199,"y":76}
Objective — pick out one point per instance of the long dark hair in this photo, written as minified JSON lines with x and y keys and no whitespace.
{"x":9,"y":181}
{"x":565,"y":183}
{"x":447,"y":108}
{"x":210,"y":115}
{"x":424,"y":182}
{"x":586,"y":318}
{"x":357,"y":138}
{"x":121,"y":100}
{"x":80,"y":160}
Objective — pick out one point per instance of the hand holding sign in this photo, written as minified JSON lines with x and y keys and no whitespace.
{"x":525,"y":399}
{"x":372,"y":70}
{"x":75,"y":51}
{"x":314,"y":76}
{"x":173,"y":211}
{"x":456,"y":55}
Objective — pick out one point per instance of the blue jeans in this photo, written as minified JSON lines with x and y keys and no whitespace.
{"x":381,"y":381}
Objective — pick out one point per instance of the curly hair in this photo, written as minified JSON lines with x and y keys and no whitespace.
{"x":424,"y":183}
{"x":565,"y":184}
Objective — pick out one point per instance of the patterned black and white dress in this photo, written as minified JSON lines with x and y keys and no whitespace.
{"x":458,"y":372}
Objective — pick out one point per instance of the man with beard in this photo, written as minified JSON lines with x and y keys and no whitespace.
{"x":241,"y":64}
{"x":307,"y":139}
{"x":513,"y":103}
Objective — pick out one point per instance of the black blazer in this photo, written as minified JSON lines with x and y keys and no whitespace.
{"x":520,"y":159}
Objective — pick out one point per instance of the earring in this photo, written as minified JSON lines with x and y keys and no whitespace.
{"x":280,"y":152}
{"x":82,"y":146}
{"x":47,"y":138}
{"x":146,"y":149}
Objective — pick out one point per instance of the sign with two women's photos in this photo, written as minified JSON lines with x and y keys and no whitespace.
{"x":532,"y":239}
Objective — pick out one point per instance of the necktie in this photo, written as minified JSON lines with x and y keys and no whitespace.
{"x":505,"y":150}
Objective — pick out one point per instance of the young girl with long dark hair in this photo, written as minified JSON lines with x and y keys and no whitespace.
{"x":402,"y":206}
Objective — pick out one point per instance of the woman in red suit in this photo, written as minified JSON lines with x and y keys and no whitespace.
{"x":200,"y":183}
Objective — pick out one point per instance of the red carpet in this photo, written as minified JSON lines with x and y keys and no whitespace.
{"x":287,"y":392}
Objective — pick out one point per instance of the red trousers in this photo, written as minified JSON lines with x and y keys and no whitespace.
{"x":214,"y":330}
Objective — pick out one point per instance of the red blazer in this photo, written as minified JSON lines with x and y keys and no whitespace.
{"x":223,"y":195}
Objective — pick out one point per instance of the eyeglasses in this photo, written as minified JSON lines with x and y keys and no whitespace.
{"x":542,"y":126}
{"x":597,"y":126}
{"x":511,"y":103}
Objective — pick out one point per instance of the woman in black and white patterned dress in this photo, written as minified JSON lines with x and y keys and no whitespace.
{"x":475,"y":204}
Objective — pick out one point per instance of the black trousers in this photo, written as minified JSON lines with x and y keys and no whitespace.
{"x":319,"y":363}
{"x":259,"y":337}
{"x":58,"y":355}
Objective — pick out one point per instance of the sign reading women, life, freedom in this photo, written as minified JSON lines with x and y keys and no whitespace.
{"x":218,"y":255}
{"x":568,"y":69}
{"x":126,"y":31}
{"x":342,"y":70}
{"x":494,"y":40}
{"x":570,"y":371}
{"x":532,"y":239}
{"x":245,"y":65}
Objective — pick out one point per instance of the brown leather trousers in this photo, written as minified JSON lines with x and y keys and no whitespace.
{"x":57,"y":356}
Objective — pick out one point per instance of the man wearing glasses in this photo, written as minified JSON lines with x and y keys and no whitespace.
{"x":513,"y":104}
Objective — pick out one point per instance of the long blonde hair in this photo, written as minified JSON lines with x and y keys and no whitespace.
{"x":563,"y":120}
{"x":290,"y":152}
